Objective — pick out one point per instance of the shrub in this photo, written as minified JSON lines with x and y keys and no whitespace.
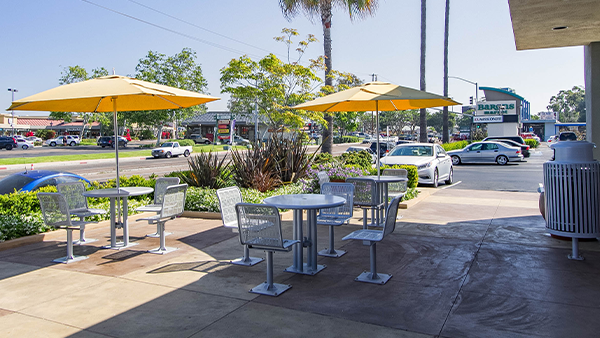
{"x":337,"y":171}
{"x":186,"y":142}
{"x":255,"y":168}
{"x":146,"y":134}
{"x":291,"y":157}
{"x":204,"y":199}
{"x":361,"y":159}
{"x":455,"y":145}
{"x":346,"y":139}
{"x":45,"y":134}
{"x":205,"y":171}
{"x":323,"y":158}
{"x":413,"y":175}
{"x":532,"y":143}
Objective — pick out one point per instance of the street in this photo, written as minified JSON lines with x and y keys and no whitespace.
{"x":522,"y":176}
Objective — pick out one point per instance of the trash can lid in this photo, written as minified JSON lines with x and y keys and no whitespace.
{"x":573,"y":151}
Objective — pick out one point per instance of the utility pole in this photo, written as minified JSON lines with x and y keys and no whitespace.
{"x":12,"y":123}
{"x":373,"y":77}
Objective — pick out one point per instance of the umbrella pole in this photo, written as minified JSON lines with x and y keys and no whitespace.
{"x":116,"y":144}
{"x":116,"y":129}
{"x":377,"y":131}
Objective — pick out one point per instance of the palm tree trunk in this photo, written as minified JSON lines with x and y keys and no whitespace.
{"x":423,"y":112}
{"x":446,"y":135}
{"x":326,"y":22}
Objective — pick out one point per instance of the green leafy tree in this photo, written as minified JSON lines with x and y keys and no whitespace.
{"x":180,"y":71}
{"x":569,"y":104}
{"x":274,"y":85}
{"x":436,"y":120}
{"x":73,"y":74}
{"x":323,"y":9}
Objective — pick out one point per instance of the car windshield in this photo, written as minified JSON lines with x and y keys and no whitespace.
{"x":12,"y":182}
{"x":412,"y":151}
{"x":167,"y":145}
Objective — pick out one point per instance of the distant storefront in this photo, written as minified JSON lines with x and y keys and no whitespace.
{"x":502,"y":111}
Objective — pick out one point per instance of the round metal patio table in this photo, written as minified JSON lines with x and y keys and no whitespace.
{"x":114,"y":195}
{"x":311,"y":203}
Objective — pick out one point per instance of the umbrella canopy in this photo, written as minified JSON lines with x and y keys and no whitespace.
{"x":96,"y":96}
{"x":111,"y":93}
{"x":377,"y":96}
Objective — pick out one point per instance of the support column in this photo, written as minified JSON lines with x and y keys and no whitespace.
{"x":592,"y":95}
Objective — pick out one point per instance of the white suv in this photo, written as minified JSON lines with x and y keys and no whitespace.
{"x":71,"y":140}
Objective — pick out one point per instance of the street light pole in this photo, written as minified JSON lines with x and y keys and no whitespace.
{"x":471,"y":82}
{"x":13,"y":90}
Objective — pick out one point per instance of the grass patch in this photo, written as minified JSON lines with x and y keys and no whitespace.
{"x":100,"y":156}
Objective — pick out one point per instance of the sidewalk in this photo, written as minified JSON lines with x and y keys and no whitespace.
{"x":465,"y":263}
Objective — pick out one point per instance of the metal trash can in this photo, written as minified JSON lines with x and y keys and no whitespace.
{"x":572,"y":184}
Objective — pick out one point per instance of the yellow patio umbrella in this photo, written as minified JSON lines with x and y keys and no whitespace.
{"x":376,"y":96}
{"x":111,"y":93}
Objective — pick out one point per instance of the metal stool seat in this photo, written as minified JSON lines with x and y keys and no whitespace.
{"x":160,"y":187}
{"x":336,"y":216}
{"x":78,"y":206}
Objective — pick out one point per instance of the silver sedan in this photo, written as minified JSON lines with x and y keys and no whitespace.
{"x":487,"y":151}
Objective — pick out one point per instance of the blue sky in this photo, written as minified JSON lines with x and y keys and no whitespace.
{"x":40,"y":38}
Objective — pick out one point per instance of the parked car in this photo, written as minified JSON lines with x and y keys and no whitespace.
{"x":239,"y":140}
{"x":24,"y":144}
{"x":552,"y":139}
{"x":567,"y":136}
{"x":524,"y":147}
{"x":108,"y":141}
{"x":71,"y":140}
{"x":7,"y":142}
{"x":432,"y":162}
{"x":169,"y":149}
{"x":384,"y":147}
{"x":197,"y":138}
{"x":515,"y":138}
{"x":34,"y":179}
{"x":488,"y":151}
{"x":530,"y":135}
{"x":368,"y":150}
{"x":33,"y":139}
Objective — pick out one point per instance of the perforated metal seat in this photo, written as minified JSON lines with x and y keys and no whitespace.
{"x":160,"y":187}
{"x":56,"y":213}
{"x":323,"y":177}
{"x":172,"y":206}
{"x":78,"y":206}
{"x":228,"y":198}
{"x":259,"y":226}
{"x":336,"y":216}
{"x":396,"y":188}
{"x":366,"y":196}
{"x":374,"y":236}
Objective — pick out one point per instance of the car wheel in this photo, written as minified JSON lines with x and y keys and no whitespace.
{"x":207,"y":142}
{"x":103,"y":147}
{"x":455,"y":160}
{"x":436,"y":178}
{"x":450,"y":177}
{"x":168,"y":154}
{"x":9,"y":147}
{"x":186,"y":153}
{"x":501,"y":160}
{"x":72,"y":144}
{"x":25,"y":147}
{"x":53,"y":144}
{"x":155,"y":156}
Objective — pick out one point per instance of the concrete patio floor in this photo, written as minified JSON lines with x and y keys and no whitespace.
{"x":465,"y":264}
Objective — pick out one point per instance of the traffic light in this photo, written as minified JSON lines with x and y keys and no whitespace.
{"x":471,"y":100}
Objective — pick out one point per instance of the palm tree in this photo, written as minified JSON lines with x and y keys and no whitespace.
{"x":446,"y":134}
{"x":323,"y":9}
{"x":423,"y":112}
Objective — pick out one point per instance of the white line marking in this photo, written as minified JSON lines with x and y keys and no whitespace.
{"x":453,"y":184}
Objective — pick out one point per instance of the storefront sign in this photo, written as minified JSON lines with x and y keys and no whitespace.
{"x":497,"y":108}
{"x":223,"y":122}
{"x":487,"y":119}
{"x":223,"y":131}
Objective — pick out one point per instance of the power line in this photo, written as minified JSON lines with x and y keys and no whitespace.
{"x":171,"y":30}
{"x":199,"y":27}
